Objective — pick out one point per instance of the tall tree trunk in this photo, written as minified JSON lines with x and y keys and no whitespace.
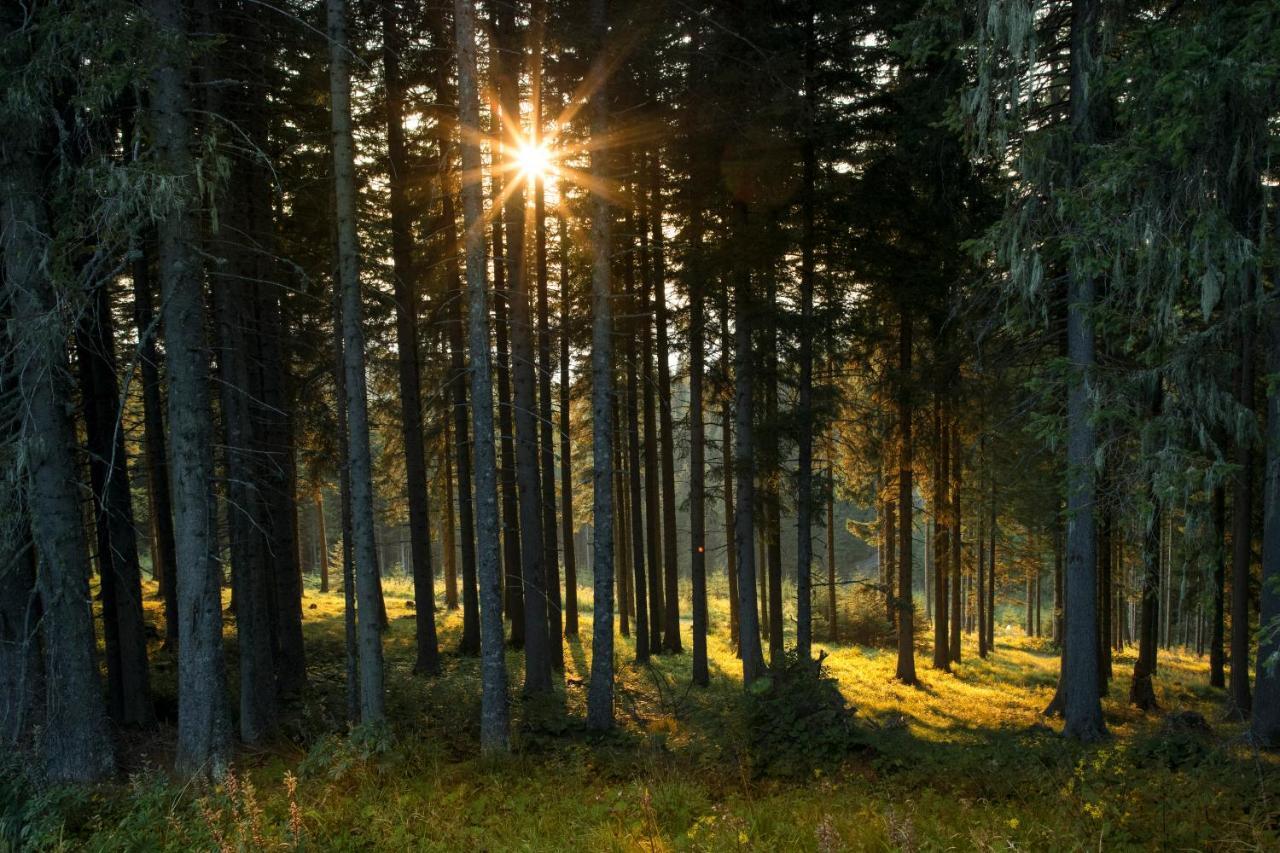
{"x":1141,"y":691}
{"x":405,"y":284}
{"x":744,"y":454}
{"x":600,"y":691}
{"x":671,"y":641}
{"x":450,"y":522}
{"x":889,"y":533}
{"x":1265,"y":724}
{"x":75,"y":744}
{"x":983,"y":613}
{"x":163,"y":562}
{"x":493,"y":668}
{"x":652,"y":504}
{"x":566,"y":458}
{"x":697,"y":457}
{"x":727,"y":472}
{"x":537,"y":658}
{"x":957,"y":571}
{"x":469,"y":642}
{"x":350,"y":641}
{"x":359,"y":462}
{"x":941,"y":539}
{"x":128,"y":682}
{"x":204,"y":727}
{"x":547,"y":472}
{"x":771,"y":483}
{"x":323,"y":535}
{"x":644,"y":609}
{"x":906,"y":670}
{"x":1217,"y":662}
{"x":1240,"y":700}
{"x":833,"y":632}
{"x":804,"y":413}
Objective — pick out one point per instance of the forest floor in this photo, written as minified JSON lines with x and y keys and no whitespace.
{"x":964,"y":761}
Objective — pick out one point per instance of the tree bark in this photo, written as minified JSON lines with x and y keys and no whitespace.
{"x":697,"y":452}
{"x":957,"y":571}
{"x":941,"y":539}
{"x":1265,"y":724}
{"x":644,"y":609}
{"x":906,"y":669}
{"x":1217,"y":656}
{"x":364,"y":548}
{"x":804,"y":413}
{"x":163,"y":562}
{"x":405,"y":286}
{"x":1239,"y":698}
{"x":566,"y":457}
{"x":493,"y":669}
{"x":74,"y":743}
{"x":744,"y":454}
{"x":450,"y":522}
{"x":128,"y":680}
{"x":727,"y":472}
{"x":600,"y":691}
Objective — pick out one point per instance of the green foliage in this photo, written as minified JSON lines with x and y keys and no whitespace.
{"x":796,"y":721}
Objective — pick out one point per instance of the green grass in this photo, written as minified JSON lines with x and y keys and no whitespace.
{"x":962,"y":762}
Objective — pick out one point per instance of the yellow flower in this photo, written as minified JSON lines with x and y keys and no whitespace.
{"x":1013,"y":823}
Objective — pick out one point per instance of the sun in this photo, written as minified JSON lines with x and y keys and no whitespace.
{"x":534,"y":161}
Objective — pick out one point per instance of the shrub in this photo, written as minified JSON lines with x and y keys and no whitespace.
{"x":796,"y":721}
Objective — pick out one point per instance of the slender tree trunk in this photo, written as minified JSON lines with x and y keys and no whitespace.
{"x":833,"y":632}
{"x":450,"y":522}
{"x":1265,"y":724}
{"x":547,"y":472}
{"x":621,"y":554}
{"x":566,"y":458}
{"x":600,"y":691}
{"x":941,"y":541}
{"x":350,"y":641}
{"x":405,"y":284}
{"x":906,"y":671}
{"x":771,"y":482}
{"x":1141,"y":691}
{"x":991,"y":570}
{"x":889,"y":533}
{"x":644,"y":610}
{"x":360,"y":464}
{"x":323,"y":535}
{"x":163,"y":562}
{"x":469,"y":643}
{"x":493,"y":669}
{"x":657,"y":608}
{"x":1240,"y":701}
{"x":957,"y":571}
{"x":744,"y":453}
{"x":697,"y":452}
{"x":983,"y":613}
{"x":727,"y":472}
{"x":804,"y":462}
{"x":1217,"y":662}
{"x":74,"y":743}
{"x":671,"y":641}
{"x":128,"y":682}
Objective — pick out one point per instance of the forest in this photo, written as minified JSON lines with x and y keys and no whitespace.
{"x":639,"y":424}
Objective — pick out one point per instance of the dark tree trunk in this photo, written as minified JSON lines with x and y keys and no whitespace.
{"x":450,"y":521}
{"x":833,"y":633}
{"x":600,"y":691}
{"x":648,"y":379}
{"x":889,"y":533}
{"x":1239,"y":698}
{"x":1141,"y":691}
{"x":128,"y":682}
{"x":906,"y":670}
{"x":771,"y":481}
{"x":547,"y":471}
{"x":323,"y":535}
{"x":941,"y":539}
{"x":804,"y":413}
{"x":566,"y":458}
{"x":744,"y":453}
{"x":163,"y":562}
{"x":671,"y":641}
{"x":1265,"y":725}
{"x":204,"y":729}
{"x":1082,"y":710}
{"x":644,"y":610}
{"x":727,"y":472}
{"x":957,"y":613}
{"x":983,"y":613}
{"x":405,"y":284}
{"x":344,"y":496}
{"x":493,"y":669}
{"x":1217,"y":656}
{"x":359,"y":462}
{"x":75,"y":745}
{"x":697,"y":453}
